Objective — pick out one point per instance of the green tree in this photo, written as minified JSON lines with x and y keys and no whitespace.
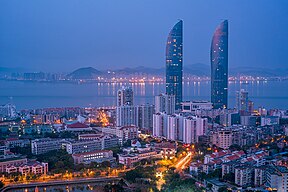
{"x":1,"y":184}
{"x":229,"y":177}
{"x":222,"y":189}
{"x":106,"y":164}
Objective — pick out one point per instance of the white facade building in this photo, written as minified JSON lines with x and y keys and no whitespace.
{"x":193,"y":106}
{"x":125,"y":96}
{"x":165,"y":103}
{"x":178,"y":127}
{"x":126,"y":115}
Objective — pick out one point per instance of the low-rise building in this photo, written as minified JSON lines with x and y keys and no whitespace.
{"x":15,"y":161}
{"x":98,"y":156}
{"x":33,"y":167}
{"x":127,"y":132}
{"x":15,"y":142}
{"x":193,"y":106}
{"x":73,"y":147}
{"x":108,"y":140}
{"x":44,"y":145}
{"x":167,"y":150}
{"x":130,"y":157}
{"x":77,"y":127}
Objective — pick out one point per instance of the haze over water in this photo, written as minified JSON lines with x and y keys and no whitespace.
{"x":32,"y":95}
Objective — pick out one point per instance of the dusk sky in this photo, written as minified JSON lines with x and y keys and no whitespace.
{"x":53,"y":35}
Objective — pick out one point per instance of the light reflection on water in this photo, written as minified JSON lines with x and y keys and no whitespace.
{"x":271,"y":94}
{"x":63,"y":188}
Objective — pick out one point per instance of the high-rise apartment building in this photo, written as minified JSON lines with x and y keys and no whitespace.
{"x":165,"y":103}
{"x":125,"y":96}
{"x":242,"y":101}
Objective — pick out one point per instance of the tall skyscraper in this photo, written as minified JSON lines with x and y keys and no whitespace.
{"x":219,"y":66}
{"x":242,"y":100}
{"x":165,"y":103}
{"x":174,"y":68}
{"x":125,"y":96}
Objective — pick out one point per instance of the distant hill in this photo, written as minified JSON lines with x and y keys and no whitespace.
{"x":139,"y":70}
{"x":85,"y":73}
{"x":197,"y":69}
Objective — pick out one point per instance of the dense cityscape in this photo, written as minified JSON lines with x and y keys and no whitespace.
{"x":171,"y":144}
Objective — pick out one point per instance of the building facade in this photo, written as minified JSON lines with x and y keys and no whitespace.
{"x":40,"y":146}
{"x":174,"y":60}
{"x":98,"y":156}
{"x":242,"y":100}
{"x":165,"y":103}
{"x":125,"y":96}
{"x":219,"y":66}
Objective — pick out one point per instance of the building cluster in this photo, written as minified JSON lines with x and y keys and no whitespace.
{"x":7,"y":111}
{"x":12,"y":163}
{"x":245,"y":170}
{"x":85,"y":143}
{"x":128,"y":114}
{"x":137,"y":152}
{"x":178,"y":127}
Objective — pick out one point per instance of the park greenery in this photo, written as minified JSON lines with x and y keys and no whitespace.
{"x":175,"y":183}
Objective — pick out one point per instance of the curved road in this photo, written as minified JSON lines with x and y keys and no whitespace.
{"x":183,"y":162}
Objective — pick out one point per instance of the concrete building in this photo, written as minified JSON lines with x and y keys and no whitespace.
{"x":189,"y":130}
{"x":242,"y":100}
{"x":243,"y":175}
{"x":44,"y":145}
{"x":160,"y":124}
{"x":15,"y":142}
{"x":129,"y":159}
{"x":179,"y":128}
{"x":125,"y":96}
{"x":270,"y":120}
{"x":193,"y":106}
{"x":77,"y":127}
{"x":165,"y":103}
{"x":225,"y":139}
{"x":127,"y":115}
{"x":145,"y":116}
{"x":73,"y":147}
{"x":277,"y":178}
{"x":259,"y":176}
{"x":98,"y":156}
{"x":8,"y":111}
{"x":175,"y":127}
{"x":229,"y":119}
{"x":127,"y":132}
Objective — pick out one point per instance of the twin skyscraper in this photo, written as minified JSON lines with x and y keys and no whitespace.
{"x":218,"y":59}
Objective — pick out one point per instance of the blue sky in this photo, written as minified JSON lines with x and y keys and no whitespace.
{"x":53,"y":35}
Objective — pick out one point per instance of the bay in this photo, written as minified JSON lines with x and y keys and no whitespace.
{"x":32,"y":95}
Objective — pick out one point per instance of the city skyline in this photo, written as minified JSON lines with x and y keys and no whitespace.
{"x":68,"y":37}
{"x":141,"y":112}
